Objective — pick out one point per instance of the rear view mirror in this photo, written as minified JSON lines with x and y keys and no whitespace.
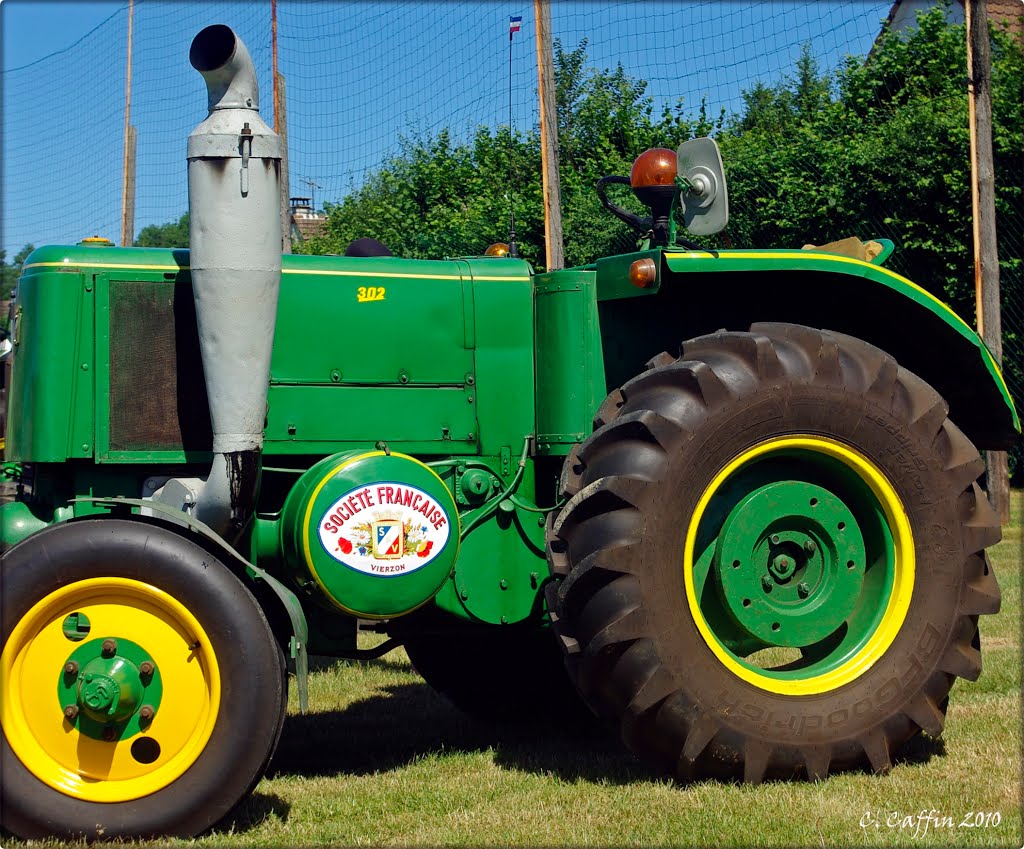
{"x":705,"y":199}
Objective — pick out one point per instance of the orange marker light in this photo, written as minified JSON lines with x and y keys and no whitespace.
{"x":497,"y":249}
{"x":654,"y":167}
{"x":643,"y":273}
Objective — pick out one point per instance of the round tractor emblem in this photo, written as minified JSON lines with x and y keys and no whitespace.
{"x":384,"y":529}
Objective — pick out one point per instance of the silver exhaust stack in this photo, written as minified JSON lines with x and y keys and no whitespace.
{"x":234,"y":167}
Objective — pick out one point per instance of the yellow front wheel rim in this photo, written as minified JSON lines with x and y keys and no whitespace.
{"x":897,"y":560}
{"x":93,"y":770}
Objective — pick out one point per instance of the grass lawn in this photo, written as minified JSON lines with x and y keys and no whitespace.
{"x":382,"y":760}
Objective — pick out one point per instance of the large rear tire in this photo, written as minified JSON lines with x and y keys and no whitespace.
{"x":143,"y":689}
{"x":772,"y":560}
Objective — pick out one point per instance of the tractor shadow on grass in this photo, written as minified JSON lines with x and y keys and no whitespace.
{"x":410,"y":721}
{"x":919,"y":751}
{"x":254,"y":810}
{"x":406,"y":722}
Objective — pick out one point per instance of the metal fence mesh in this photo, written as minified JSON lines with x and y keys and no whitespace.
{"x":360,"y":77}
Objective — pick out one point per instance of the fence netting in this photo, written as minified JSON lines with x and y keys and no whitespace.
{"x":366,"y":81}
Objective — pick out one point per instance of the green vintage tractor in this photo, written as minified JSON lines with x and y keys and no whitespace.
{"x":760,"y":554}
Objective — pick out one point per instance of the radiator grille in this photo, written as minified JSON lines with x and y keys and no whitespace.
{"x":157,"y":393}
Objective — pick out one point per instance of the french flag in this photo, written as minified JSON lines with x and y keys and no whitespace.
{"x":514,"y":22}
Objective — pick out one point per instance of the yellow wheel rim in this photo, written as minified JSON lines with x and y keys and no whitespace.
{"x":899,"y":566}
{"x":94,"y":770}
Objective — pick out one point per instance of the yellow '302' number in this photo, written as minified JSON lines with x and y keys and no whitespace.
{"x":370,"y":293}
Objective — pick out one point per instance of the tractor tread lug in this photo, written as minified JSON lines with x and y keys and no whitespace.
{"x":609,"y":408}
{"x":964,"y":661}
{"x":699,"y":737}
{"x":756,"y":756}
{"x":817,"y":760}
{"x":924,"y":713}
{"x":981,"y":596}
{"x":660,"y":360}
{"x":876,"y":748}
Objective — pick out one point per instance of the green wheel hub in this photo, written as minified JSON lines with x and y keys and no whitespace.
{"x":790,"y":561}
{"x":109,"y":689}
{"x":799,"y":544}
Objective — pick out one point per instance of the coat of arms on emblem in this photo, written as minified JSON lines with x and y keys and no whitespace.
{"x":388,"y":536}
{"x":388,"y":539}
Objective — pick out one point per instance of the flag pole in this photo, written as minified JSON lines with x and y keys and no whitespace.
{"x":513,"y":249}
{"x":128,"y":166}
{"x":550,"y":179}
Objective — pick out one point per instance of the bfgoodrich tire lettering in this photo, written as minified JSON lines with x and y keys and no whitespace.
{"x":635,"y":647}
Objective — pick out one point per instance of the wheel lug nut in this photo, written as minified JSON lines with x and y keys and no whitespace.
{"x":810,"y":546}
{"x":803,"y":589}
{"x":109,"y":647}
{"x":70,"y":712}
{"x":146,"y":668}
{"x":146,"y":713}
{"x":71,"y":668}
{"x":775,"y":539}
{"x":767,"y":583}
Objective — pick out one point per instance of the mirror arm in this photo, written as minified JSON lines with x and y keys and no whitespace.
{"x":632,"y":220}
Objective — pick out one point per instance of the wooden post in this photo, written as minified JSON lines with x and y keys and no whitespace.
{"x":128,"y":175}
{"x":273,"y":55}
{"x":986,"y":252}
{"x":281,"y":128}
{"x":552,"y":183}
{"x":281,"y":120}
{"x":128,"y":214}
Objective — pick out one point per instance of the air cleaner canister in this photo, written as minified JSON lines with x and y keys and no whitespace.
{"x":376,"y":533}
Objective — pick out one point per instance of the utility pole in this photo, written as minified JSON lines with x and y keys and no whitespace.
{"x":128,"y":165}
{"x":986,"y":252}
{"x":549,"y":138}
{"x":281,"y":128}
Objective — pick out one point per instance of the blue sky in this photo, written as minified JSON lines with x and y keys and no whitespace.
{"x":359,"y":76}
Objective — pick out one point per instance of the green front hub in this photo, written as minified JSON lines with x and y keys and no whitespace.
{"x":109,"y":688}
{"x":790,"y":561}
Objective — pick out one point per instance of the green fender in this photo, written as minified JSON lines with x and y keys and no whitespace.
{"x":701,"y":291}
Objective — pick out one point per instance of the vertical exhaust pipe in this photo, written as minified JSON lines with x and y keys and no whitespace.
{"x":234,"y":167}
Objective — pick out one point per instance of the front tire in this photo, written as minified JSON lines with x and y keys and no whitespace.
{"x":143,"y":688}
{"x":772,"y":560}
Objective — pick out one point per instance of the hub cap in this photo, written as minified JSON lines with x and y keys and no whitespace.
{"x":108,"y":690}
{"x":783,"y":563}
{"x":800,"y":545}
{"x":128,"y":710}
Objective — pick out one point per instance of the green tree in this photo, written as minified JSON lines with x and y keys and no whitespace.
{"x":884,"y":151}
{"x":879,"y":149}
{"x":441,"y":197}
{"x":173,"y":234}
{"x":10,"y":272}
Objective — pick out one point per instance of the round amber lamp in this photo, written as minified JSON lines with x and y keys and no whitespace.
{"x":654,"y":167}
{"x":643,"y":273}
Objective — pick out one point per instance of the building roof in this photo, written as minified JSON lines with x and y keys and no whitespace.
{"x":313,"y":225}
{"x":1008,"y":14}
